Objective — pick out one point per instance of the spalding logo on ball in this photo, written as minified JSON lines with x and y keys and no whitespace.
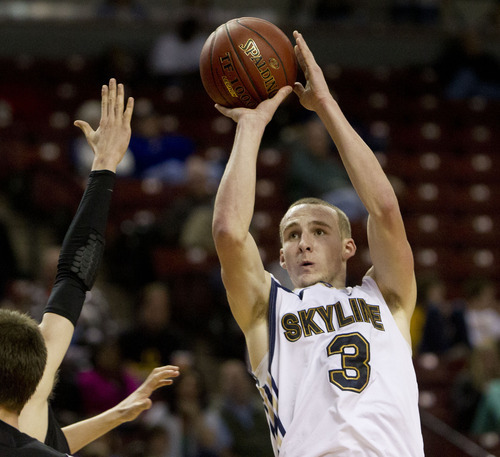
{"x":246,"y":61}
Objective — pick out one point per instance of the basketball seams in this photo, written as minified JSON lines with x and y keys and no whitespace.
{"x":245,"y":61}
{"x":242,"y":65}
{"x":278,"y":31}
{"x":215,"y":79}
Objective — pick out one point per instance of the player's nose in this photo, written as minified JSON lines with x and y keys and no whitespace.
{"x":305,"y":243}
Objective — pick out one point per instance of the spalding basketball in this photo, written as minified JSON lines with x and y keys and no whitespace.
{"x":245,"y":61}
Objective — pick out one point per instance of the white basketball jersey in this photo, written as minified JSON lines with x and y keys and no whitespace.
{"x":338,"y":379}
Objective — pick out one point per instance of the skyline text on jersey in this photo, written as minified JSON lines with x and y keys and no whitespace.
{"x":302,"y":323}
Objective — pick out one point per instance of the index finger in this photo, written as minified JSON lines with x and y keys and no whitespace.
{"x":302,"y":51}
{"x":127,"y":115}
{"x":280,"y":95}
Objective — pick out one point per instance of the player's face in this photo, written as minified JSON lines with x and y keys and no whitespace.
{"x":313,"y":249}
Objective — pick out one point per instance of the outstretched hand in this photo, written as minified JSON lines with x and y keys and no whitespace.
{"x":264,"y":112}
{"x":139,"y":400}
{"x":111,"y":139}
{"x":316,"y":89}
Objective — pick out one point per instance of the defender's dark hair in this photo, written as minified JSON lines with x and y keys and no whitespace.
{"x":23,"y":356}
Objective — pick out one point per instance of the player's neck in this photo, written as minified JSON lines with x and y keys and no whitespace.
{"x":9,"y":417}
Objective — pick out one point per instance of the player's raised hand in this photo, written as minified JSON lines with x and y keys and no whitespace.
{"x":139,"y":400}
{"x":111,"y":139}
{"x":264,"y":112}
{"x":316,"y":89}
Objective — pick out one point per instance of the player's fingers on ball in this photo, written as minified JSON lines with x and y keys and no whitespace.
{"x":222,"y":109}
{"x":298,"y":88}
{"x":300,"y":57}
{"x":285,"y":91}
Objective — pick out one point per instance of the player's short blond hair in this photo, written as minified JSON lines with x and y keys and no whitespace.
{"x":343,"y":221}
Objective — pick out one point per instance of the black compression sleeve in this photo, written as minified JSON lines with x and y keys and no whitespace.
{"x":82,"y":248}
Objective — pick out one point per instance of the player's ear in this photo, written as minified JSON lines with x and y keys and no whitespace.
{"x":349,"y":248}
{"x":282,"y":259}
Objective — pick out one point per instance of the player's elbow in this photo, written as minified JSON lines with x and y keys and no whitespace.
{"x":225,"y":238}
{"x":386,"y":206}
{"x":226,"y":232}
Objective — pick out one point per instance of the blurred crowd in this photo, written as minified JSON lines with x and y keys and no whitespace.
{"x":136,"y":318}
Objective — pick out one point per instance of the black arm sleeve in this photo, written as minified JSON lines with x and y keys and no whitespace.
{"x":82,"y":248}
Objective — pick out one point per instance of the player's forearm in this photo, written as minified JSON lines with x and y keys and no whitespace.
{"x":79,"y":260}
{"x":235,"y":199}
{"x":82,"y":248}
{"x":82,"y":433}
{"x":365,"y":172}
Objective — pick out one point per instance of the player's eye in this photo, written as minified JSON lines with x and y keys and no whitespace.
{"x":320,"y":232}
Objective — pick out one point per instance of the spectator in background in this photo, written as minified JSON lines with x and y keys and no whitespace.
{"x":193,"y":429}
{"x":466,"y":69}
{"x":475,"y":391}
{"x":444,"y":329}
{"x":158,"y":154}
{"x":315,"y":170}
{"x":188,"y":221}
{"x":486,"y":417}
{"x":175,"y":56}
{"x":322,"y":10}
{"x":243,"y":422}
{"x":482,"y":312}
{"x":151,"y":340}
{"x":8,"y":267}
{"x":415,"y":11}
{"x":157,"y":442}
{"x":120,"y":60}
{"x":107,"y":382}
{"x":463,"y":14}
{"x":124,"y":10}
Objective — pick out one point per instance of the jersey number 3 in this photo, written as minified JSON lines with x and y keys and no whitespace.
{"x":354,"y":352}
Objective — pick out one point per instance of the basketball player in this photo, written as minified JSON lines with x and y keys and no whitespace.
{"x":78,"y":265}
{"x":23,"y":357}
{"x":333,"y":363}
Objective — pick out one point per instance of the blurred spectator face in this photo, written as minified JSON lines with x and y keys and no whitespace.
{"x":149,"y":125}
{"x":48,"y":267}
{"x":317,"y":138}
{"x":108,"y":358}
{"x":235,"y":381}
{"x":155,"y":307}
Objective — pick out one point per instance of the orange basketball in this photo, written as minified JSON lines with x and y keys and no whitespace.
{"x":245,"y":61}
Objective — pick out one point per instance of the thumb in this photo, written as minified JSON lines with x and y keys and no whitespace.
{"x":283,"y":93}
{"x":222,"y":109}
{"x":84,"y":127}
{"x":298,"y":88}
